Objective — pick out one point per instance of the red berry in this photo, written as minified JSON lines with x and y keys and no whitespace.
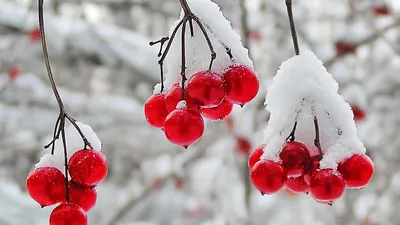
{"x":13,"y":72}
{"x":243,"y":145}
{"x":34,"y":35}
{"x":344,"y":47}
{"x":46,"y":185}
{"x":357,"y":171}
{"x":184,"y":127}
{"x":219,"y":112}
{"x":241,"y":84}
{"x":326,"y":185}
{"x":255,"y":156}
{"x":311,"y":169}
{"x":358,"y":113}
{"x":206,"y":89}
{"x":381,"y":10}
{"x":68,"y":214}
{"x":268,"y":176}
{"x":295,"y":158}
{"x":297,"y":184}
{"x":155,"y":110}
{"x":174,"y":96}
{"x":81,"y":195}
{"x":88,"y":167}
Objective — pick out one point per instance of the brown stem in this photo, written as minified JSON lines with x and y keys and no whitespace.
{"x":316,"y":140}
{"x":292,"y":26}
{"x":183,"y":66}
{"x":185,"y":7}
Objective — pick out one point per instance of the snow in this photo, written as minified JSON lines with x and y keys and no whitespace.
{"x":181,"y":105}
{"x":301,"y":90}
{"x":198,"y":55}
{"x":74,"y":143}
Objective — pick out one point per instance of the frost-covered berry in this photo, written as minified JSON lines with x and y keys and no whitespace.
{"x":46,"y":185}
{"x":326,"y":185}
{"x":268,"y":176}
{"x":81,"y":195}
{"x":155,"y":110}
{"x":219,"y":112}
{"x":206,"y":89}
{"x":357,"y":171}
{"x":174,"y":96}
{"x":255,"y":156}
{"x":68,"y":214}
{"x":295,"y":158}
{"x":241,"y":84}
{"x":88,"y":167}
{"x":184,"y":127}
{"x":297,"y":184}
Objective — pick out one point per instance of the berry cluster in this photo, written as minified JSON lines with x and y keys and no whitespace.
{"x":48,"y":186}
{"x":207,"y":94}
{"x":300,"y":172}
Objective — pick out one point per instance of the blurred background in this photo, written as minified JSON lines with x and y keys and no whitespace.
{"x":106,"y":70}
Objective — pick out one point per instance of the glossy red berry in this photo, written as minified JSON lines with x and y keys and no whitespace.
{"x":344,"y":47}
{"x":312,"y":168}
{"x":326,"y":185}
{"x":243,"y":145}
{"x":155,"y":110}
{"x":88,"y":167}
{"x":268,"y":176}
{"x":184,"y":127}
{"x":13,"y":72}
{"x":241,"y":84}
{"x":357,"y":171}
{"x":359,"y":114}
{"x":68,"y":214}
{"x":295,"y":158}
{"x":46,"y":185}
{"x":83,"y":196}
{"x":174,"y":96}
{"x":206,"y":89}
{"x":219,"y":112}
{"x":297,"y":184}
{"x":255,"y":156}
{"x":34,"y":35}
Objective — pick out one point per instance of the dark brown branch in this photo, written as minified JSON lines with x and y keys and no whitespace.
{"x":292,"y":26}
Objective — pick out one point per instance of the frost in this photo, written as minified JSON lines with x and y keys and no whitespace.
{"x":198,"y":55}
{"x":301,"y":90}
{"x":181,"y":105}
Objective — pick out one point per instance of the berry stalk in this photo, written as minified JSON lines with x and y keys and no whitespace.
{"x":292,"y":26}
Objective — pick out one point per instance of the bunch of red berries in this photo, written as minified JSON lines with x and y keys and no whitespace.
{"x":300,"y":172}
{"x":207,"y":94}
{"x":49,"y":186}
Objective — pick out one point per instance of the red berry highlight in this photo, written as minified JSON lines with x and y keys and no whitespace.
{"x":327,"y":185}
{"x":88,"y":167}
{"x":206,"y":89}
{"x":155,"y":110}
{"x":295,"y":158}
{"x":357,"y":171}
{"x":183,"y":127}
{"x":68,"y":214}
{"x":46,"y":185}
{"x":241,"y":84}
{"x":268,"y":176}
{"x":219,"y":112}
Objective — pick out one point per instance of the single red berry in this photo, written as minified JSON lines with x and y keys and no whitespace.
{"x":344,"y":47}
{"x":184,"y":127}
{"x":219,"y":112}
{"x":357,"y":171}
{"x":381,"y":10}
{"x":255,"y":156}
{"x":206,"y":89}
{"x":243,"y":145}
{"x":34,"y":35}
{"x":295,"y":158}
{"x":81,"y":195}
{"x":174,"y":96}
{"x":46,"y":185}
{"x":68,"y":214}
{"x":359,"y":114}
{"x":88,"y":167}
{"x":155,"y":110}
{"x":297,"y":184}
{"x":241,"y":84}
{"x":326,"y":185}
{"x":268,"y":176}
{"x":13,"y":72}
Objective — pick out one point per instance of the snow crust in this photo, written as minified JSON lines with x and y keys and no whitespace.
{"x":74,"y":144}
{"x":302,"y":89}
{"x":198,"y":55}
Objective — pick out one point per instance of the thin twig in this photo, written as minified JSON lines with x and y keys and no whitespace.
{"x":317,"y":140}
{"x":292,"y":26}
